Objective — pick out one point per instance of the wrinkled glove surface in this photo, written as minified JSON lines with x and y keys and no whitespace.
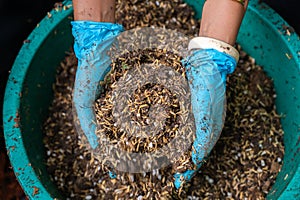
{"x":206,"y":71}
{"x":92,"y":41}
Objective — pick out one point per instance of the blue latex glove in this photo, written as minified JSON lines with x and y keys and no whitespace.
{"x":92,"y":41}
{"x":206,"y":71}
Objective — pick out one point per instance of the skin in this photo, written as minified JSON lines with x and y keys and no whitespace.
{"x":94,"y":10}
{"x":221,"y":19}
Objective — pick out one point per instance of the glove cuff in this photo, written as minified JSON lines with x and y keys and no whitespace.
{"x":88,"y":35}
{"x":210,"y":43}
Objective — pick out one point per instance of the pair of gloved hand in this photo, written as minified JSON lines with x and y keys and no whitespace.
{"x":206,"y":68}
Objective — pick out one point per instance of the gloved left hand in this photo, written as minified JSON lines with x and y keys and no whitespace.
{"x":206,"y":69}
{"x":92,"y":41}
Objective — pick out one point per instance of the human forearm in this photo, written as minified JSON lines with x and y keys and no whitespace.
{"x":221,"y":19}
{"x":94,"y":10}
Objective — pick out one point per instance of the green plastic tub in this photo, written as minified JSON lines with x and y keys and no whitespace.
{"x":29,"y":93}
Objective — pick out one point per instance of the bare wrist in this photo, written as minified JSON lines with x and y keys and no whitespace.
{"x":94,"y":10}
{"x":221,"y":19}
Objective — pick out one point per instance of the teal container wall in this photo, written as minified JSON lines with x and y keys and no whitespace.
{"x":29,"y":93}
{"x":27,"y":98}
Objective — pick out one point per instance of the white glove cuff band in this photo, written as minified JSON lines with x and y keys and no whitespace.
{"x":210,"y":43}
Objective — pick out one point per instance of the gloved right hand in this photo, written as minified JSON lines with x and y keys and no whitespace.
{"x":92,"y":41}
{"x":206,"y":69}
